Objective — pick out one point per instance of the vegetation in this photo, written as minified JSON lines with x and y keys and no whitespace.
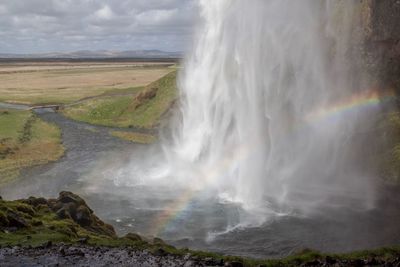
{"x":135,"y":137}
{"x":26,"y":140}
{"x":68,"y":219}
{"x":58,"y":83}
{"x":144,"y":110}
{"x":389,"y":143}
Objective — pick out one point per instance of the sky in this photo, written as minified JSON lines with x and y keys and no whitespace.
{"x":40,"y":26}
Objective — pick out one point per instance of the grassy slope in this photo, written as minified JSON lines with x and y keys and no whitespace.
{"x":128,"y":112}
{"x":26,"y":140}
{"x":43,"y":225}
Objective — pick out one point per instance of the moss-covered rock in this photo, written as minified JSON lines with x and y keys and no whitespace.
{"x":35,"y":222}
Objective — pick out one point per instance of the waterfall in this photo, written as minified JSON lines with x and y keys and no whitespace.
{"x":269,"y":104}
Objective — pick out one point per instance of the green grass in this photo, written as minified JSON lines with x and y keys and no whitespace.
{"x":12,"y":122}
{"x":129,"y":90}
{"x":134,"y":137}
{"x":123,"y":111}
{"x":25,"y":141}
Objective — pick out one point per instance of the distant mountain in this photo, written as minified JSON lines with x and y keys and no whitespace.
{"x":99,"y":54}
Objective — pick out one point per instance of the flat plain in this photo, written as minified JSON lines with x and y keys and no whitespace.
{"x":66,"y":82}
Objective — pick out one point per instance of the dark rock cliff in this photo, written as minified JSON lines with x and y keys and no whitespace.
{"x":381,"y":23}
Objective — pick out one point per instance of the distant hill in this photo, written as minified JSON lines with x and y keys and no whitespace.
{"x":98,"y":54}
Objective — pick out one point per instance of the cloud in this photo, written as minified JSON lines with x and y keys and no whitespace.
{"x":104,"y":13}
{"x":28,"y":26}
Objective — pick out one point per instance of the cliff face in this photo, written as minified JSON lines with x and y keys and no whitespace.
{"x":381,"y":23}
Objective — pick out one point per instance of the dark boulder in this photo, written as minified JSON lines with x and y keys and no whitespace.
{"x":83,"y":216}
{"x":3,"y":220}
{"x":16,"y":220}
{"x":35,"y":201}
{"x":70,"y":206}
{"x":63,"y":213}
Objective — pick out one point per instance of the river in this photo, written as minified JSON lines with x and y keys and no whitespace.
{"x":90,"y":167}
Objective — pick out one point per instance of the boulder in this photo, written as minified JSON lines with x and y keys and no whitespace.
{"x":70,"y":206}
{"x":35,"y":201}
{"x":16,"y":220}
{"x":3,"y":219}
{"x":233,"y":264}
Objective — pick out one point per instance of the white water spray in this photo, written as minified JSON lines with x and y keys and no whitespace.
{"x":258,"y":72}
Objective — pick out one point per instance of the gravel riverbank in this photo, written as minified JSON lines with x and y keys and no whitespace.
{"x":80,"y":255}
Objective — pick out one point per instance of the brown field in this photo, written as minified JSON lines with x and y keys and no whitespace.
{"x":66,"y":82}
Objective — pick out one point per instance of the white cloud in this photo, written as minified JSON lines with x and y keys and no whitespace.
{"x":97,"y":24}
{"x":104,"y":13}
{"x":157,"y":17}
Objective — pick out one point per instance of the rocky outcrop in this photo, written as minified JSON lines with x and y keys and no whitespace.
{"x":71,"y":206}
{"x":31,"y":212}
{"x":381,"y":24}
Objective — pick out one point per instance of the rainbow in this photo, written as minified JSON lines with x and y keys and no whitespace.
{"x":328,"y":113}
{"x":177,"y":208}
{"x":357,"y":102}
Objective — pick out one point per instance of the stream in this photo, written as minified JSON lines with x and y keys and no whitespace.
{"x":90,"y":169}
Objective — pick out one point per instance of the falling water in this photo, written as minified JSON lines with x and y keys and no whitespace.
{"x":270,"y":104}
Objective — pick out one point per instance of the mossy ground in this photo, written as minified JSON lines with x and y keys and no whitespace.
{"x":44,"y":225}
{"x":122,"y":111}
{"x":26,"y":140}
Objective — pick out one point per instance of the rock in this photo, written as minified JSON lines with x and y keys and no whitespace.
{"x":187,"y":256}
{"x":233,"y":264}
{"x":357,"y":263}
{"x":10,"y":229}
{"x":68,"y":197}
{"x":71,"y":206}
{"x":312,"y":263}
{"x":33,"y":201}
{"x":83,"y":240}
{"x":160,"y":252}
{"x":61,"y":251}
{"x":3,"y":220}
{"x":16,"y":220}
{"x":330,"y":260}
{"x":82,"y":216}
{"x":63,"y":213}
{"x":133,"y":237}
{"x":190,"y":264}
{"x":27,"y":209}
{"x":48,"y":244}
{"x":76,"y":252}
{"x":213,"y":262}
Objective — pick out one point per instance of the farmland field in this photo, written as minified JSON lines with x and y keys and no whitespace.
{"x":66,"y":82}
